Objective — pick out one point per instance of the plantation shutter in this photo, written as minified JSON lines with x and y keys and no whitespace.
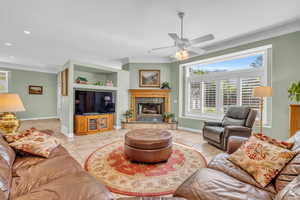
{"x":229,"y":93}
{"x":209,"y":94}
{"x":195,"y":100}
{"x":247,"y":86}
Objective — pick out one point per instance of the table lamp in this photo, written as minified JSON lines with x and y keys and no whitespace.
{"x":9,"y":104}
{"x":261,"y":92}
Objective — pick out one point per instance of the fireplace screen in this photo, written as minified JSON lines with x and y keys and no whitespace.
{"x":149,"y":109}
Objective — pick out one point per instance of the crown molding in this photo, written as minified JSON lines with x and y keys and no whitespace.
{"x":146,"y":59}
{"x":254,"y":36}
{"x":106,"y":64}
{"x":27,"y":68}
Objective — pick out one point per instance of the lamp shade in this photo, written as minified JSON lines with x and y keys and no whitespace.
{"x":262,"y":91}
{"x":10,"y":103}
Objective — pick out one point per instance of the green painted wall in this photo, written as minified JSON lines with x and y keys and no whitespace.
{"x":285,"y":69}
{"x":36,"y":105}
{"x":135,"y":67}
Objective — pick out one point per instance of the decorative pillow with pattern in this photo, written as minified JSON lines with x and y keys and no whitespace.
{"x":279,"y":143}
{"x":261,"y":159}
{"x":16,"y":136}
{"x":37,"y":143}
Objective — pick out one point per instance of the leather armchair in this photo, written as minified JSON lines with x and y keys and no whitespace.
{"x":238,"y":121}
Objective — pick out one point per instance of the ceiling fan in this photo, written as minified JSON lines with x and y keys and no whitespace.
{"x":184,"y":46}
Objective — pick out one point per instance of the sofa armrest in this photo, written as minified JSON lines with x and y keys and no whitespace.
{"x":234,"y":142}
{"x":291,"y":191}
{"x":212,"y":123}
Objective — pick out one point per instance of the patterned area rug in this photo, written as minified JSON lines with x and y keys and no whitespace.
{"x":110,"y":165}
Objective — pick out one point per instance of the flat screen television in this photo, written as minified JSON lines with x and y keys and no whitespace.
{"x":91,"y":102}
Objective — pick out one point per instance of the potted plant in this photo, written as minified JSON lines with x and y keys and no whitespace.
{"x":294,"y":92}
{"x":128,"y":115}
{"x":168,"y":117}
{"x":81,"y":80}
{"x":165,"y":85}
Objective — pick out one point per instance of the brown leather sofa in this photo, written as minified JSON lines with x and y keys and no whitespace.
{"x":59,"y":177}
{"x":238,"y":121}
{"x":224,"y":180}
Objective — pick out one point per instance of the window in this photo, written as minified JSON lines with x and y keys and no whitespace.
{"x":215,"y":84}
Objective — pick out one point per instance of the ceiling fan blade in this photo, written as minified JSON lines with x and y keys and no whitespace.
{"x":202,"y":39}
{"x":162,"y":48}
{"x":174,"y":36}
{"x":196,"y":50}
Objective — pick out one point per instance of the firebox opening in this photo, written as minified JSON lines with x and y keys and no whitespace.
{"x":149,"y":109}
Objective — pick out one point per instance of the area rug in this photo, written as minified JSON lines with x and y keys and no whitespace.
{"x":110,"y":166}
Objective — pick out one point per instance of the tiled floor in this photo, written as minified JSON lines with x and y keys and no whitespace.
{"x":80,"y":147}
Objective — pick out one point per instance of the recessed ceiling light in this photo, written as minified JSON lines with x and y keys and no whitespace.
{"x":8,"y":44}
{"x":27,"y":32}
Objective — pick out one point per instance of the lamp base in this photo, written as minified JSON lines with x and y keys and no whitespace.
{"x":9,"y":123}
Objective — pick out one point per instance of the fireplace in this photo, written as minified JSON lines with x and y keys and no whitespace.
{"x":148,"y":105}
{"x":149,"y":109}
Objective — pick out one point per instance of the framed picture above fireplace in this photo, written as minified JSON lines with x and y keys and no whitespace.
{"x":149,"y":78}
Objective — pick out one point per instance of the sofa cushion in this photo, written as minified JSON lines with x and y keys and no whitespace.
{"x":221,"y":163}
{"x":261,"y":159}
{"x":79,"y":186}
{"x":228,"y":121}
{"x":36,"y":143}
{"x":28,"y":178}
{"x":209,"y":184}
{"x":238,"y":112}
{"x":214,"y":133}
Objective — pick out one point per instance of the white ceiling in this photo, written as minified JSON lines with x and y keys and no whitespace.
{"x":104,"y":32}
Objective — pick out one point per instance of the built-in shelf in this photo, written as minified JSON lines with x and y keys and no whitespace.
{"x":94,"y":87}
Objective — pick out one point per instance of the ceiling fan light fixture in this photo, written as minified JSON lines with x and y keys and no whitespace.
{"x":182,"y":55}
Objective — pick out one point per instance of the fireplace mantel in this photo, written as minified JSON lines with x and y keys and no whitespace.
{"x":150,"y":93}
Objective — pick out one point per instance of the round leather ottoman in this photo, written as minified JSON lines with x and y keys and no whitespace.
{"x":148,"y":145}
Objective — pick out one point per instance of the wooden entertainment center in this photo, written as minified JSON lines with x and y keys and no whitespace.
{"x":89,"y":124}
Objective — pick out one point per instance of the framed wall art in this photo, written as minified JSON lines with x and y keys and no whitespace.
{"x":34,"y":89}
{"x":3,"y":81}
{"x":149,"y":78}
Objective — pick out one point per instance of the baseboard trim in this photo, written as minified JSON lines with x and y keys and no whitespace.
{"x":189,"y":129}
{"x":39,"y":118}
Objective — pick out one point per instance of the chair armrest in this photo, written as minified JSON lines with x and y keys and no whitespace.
{"x":238,"y":128}
{"x":212,"y":123}
{"x":234,"y":142}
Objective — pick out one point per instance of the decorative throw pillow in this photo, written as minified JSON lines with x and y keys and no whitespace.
{"x":16,"y":136}
{"x":279,"y":143}
{"x":261,"y":159}
{"x":37,"y":143}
